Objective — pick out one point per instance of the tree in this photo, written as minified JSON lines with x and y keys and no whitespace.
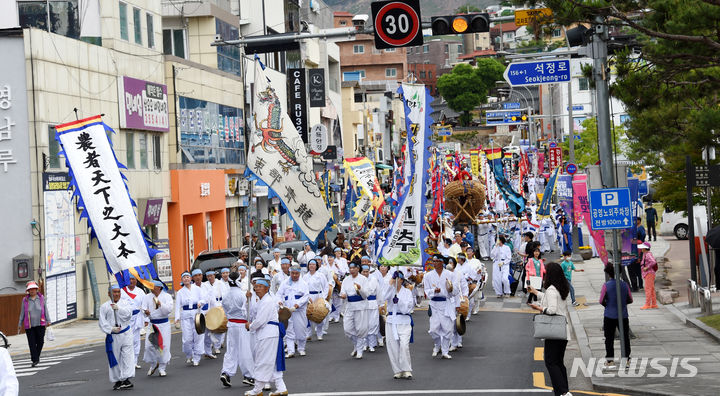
{"x":671,"y":91}
{"x":586,"y":149}
{"x":467,"y":8}
{"x":466,"y":86}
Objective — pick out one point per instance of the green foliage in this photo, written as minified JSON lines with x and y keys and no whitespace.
{"x":467,"y":8}
{"x":672,"y":90}
{"x":466,"y":86}
{"x":507,"y":12}
{"x":586,"y":149}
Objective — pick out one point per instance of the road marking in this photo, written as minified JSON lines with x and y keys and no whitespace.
{"x":424,"y":392}
{"x":539,"y":382}
{"x":513,"y":310}
{"x":539,"y":353}
{"x":23,"y":367}
{"x":31,"y":369}
{"x":29,"y":365}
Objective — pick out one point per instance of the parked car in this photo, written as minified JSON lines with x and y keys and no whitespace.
{"x":676,"y":223}
{"x":215,"y":260}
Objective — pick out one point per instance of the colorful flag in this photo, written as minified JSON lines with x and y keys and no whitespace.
{"x":104,"y":199}
{"x":582,"y":211}
{"x":362,"y":171}
{"x":475,"y":162}
{"x":278,"y":158}
{"x":405,"y":237}
{"x":544,"y":209}
{"x":515,"y":201}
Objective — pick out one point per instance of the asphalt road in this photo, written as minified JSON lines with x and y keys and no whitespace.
{"x":500,"y":356}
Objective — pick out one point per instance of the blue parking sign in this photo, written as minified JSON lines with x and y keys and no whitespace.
{"x":610,"y":209}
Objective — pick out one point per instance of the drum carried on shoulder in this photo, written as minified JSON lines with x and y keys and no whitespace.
{"x":317,"y":310}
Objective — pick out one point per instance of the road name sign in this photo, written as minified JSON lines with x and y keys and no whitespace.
{"x":537,"y":73}
{"x":511,"y":105}
{"x":610,"y":209}
{"x":525,"y":17}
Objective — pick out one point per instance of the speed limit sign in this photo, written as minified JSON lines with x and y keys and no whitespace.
{"x":397,"y":23}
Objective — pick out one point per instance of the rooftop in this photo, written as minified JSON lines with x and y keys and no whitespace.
{"x":505,"y":27}
{"x":343,"y":14}
{"x":478,"y":54}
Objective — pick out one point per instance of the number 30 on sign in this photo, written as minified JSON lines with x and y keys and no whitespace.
{"x":397,"y":23}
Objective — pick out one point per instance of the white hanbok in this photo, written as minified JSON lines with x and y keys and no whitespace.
{"x":187,"y":303}
{"x":442,"y":321}
{"x":214,"y":293}
{"x":9,"y":385}
{"x":264,"y":327}
{"x":318,"y":288}
{"x":372,"y":315}
{"x":120,"y":343}
{"x":501,"y":257}
{"x":135,"y":298}
{"x":293,"y":293}
{"x":158,"y":317}
{"x":239,"y":343}
{"x":355,"y":322}
{"x":398,"y":328}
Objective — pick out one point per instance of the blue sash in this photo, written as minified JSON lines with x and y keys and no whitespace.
{"x":314,"y":292}
{"x":189,"y":307}
{"x":372,"y":298}
{"x":205,"y":307}
{"x":280,"y":356}
{"x":135,"y":312}
{"x":108,"y":348}
{"x":354,"y":298}
{"x":438,"y":298}
{"x":159,"y":321}
{"x":297,"y":296}
{"x":412,"y":325}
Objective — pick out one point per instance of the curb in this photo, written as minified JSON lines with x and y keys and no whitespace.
{"x":694,"y":322}
{"x":598,"y":385}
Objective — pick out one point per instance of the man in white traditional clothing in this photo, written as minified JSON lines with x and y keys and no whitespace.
{"x":279,"y":278}
{"x":318,"y":285}
{"x":214,"y":292}
{"x":157,"y":306}
{"x":372,"y":315}
{"x":9,"y":385}
{"x":115,"y":321}
{"x":440,"y":289}
{"x":239,"y":351}
{"x":188,"y":301}
{"x":478,"y":275}
{"x":293,"y":294}
{"x":135,"y":295}
{"x":339,"y":267}
{"x":354,"y":291}
{"x":482,"y":243}
{"x":460,"y":280}
{"x":268,"y":333}
{"x":305,"y":255}
{"x":224,"y":281}
{"x":501,"y":256}
{"x":399,"y":325}
{"x":274,"y":264}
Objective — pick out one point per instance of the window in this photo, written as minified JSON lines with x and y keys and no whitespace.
{"x":362,"y":73}
{"x":174,"y":42}
{"x":557,"y":33}
{"x":358,"y":97}
{"x":62,"y":16}
{"x":53,"y":149}
{"x":157,"y":163}
{"x":410,"y":50}
{"x":389,"y":49}
{"x":142,"y":142}
{"x":123,"y":21}
{"x":446,"y":48}
{"x":583,"y":83}
{"x":429,"y":74}
{"x":343,"y":23}
{"x":391,"y":72}
{"x":426,"y":49}
{"x":358,"y":49}
{"x":228,"y":56}
{"x":150,"y":30}
{"x":422,"y":74}
{"x":137,"y":25}
{"x":210,"y":133}
{"x":130,"y":150}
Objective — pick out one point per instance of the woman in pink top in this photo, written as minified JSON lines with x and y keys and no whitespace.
{"x":649,"y":267}
{"x":535,"y":266}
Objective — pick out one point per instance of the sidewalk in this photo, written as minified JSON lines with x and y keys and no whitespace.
{"x":68,"y":337}
{"x":660,"y":334}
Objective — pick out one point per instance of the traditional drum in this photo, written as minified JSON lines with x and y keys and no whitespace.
{"x":317,"y":310}
{"x":465,"y":199}
{"x":471,"y":288}
{"x":284,"y":315}
{"x":464,"y":306}
{"x":215,"y":320}
{"x":460,"y":323}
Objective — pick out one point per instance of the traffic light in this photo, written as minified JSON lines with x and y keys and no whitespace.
{"x":577,"y":36}
{"x":460,"y":24}
{"x":521,"y":118}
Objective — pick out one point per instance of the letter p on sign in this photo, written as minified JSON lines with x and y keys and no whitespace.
{"x":610,"y":199}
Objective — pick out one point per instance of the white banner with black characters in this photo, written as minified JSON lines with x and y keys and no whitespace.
{"x":278,"y":158}
{"x":103,"y":198}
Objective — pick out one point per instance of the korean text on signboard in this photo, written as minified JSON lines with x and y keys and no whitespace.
{"x":143,"y":105}
{"x":298,"y":102}
{"x":211,"y":133}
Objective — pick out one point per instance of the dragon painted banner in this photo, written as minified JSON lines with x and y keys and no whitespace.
{"x":362,"y":171}
{"x":277,"y":157}
{"x":104,"y":199}
{"x":404,"y":239}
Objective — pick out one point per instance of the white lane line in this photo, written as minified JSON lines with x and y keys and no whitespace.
{"x":26,"y":374}
{"x":24,"y":366}
{"x":52,"y":358}
{"x":27,"y":370}
{"x":426,"y":391}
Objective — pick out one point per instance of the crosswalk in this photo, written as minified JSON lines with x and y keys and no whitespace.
{"x":23,"y":367}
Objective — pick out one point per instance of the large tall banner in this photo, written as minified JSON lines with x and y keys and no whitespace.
{"x":582,"y":212}
{"x":104,"y":199}
{"x":278,"y":158}
{"x":362,"y":171}
{"x":406,"y":235}
{"x":544,"y":209}
{"x":564,"y":192}
{"x":514,"y":201}
{"x":475,"y":162}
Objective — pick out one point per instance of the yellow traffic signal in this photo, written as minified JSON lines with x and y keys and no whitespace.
{"x":459,"y":24}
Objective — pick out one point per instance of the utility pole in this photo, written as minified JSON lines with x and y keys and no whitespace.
{"x":571,"y":128}
{"x":598,"y":47}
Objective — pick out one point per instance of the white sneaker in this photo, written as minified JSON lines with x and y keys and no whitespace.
{"x":446,"y":356}
{"x":460,"y":345}
{"x":358,"y":356}
{"x":353,"y":353}
{"x":189,"y":361}
{"x":381,"y":343}
{"x":407,"y":375}
{"x":196,"y":363}
{"x":567,"y":394}
{"x":152,"y":369}
{"x":371,"y":349}
{"x":398,"y":375}
{"x":320,"y":338}
{"x":137,"y":366}
{"x":163,"y":373}
{"x":216,"y":351}
{"x":435,"y":352}
{"x":210,"y":356}
{"x":453,"y":349}
{"x":302,"y":353}
{"x":289,"y":356}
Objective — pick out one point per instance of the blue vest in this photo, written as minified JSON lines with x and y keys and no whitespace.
{"x":611,"y":310}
